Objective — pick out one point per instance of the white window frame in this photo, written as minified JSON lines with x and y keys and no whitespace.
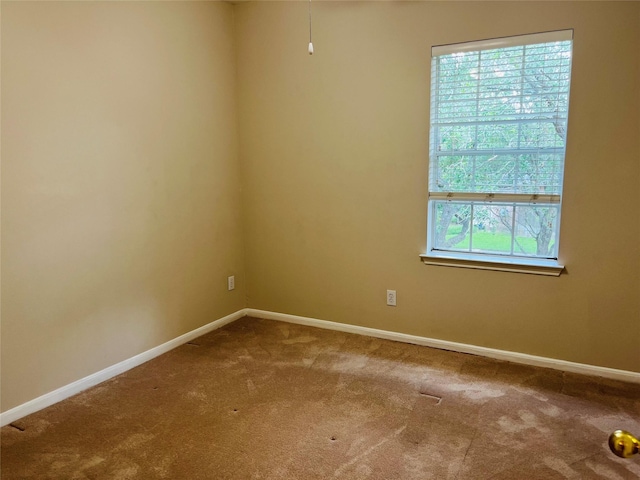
{"x":483,"y":260}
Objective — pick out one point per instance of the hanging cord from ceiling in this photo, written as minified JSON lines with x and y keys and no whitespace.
{"x":310,"y":42}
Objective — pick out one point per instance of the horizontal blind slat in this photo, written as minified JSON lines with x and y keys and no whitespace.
{"x":501,"y":151}
{"x":495,"y":197}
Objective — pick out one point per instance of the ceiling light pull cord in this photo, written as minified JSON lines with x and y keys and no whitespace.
{"x":310,"y":42}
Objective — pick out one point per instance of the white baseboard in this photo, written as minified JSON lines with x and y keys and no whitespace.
{"x":109,"y":372}
{"x":522,"y":358}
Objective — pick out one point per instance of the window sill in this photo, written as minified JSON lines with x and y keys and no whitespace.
{"x":520,"y":265}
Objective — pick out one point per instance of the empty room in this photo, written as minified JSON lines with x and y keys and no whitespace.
{"x":320,"y":239}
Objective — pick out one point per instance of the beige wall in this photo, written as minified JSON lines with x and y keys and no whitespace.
{"x":120,"y":183}
{"x":121,"y":177}
{"x":334,"y":156}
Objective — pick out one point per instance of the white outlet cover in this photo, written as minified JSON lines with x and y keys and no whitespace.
{"x":391,"y":298}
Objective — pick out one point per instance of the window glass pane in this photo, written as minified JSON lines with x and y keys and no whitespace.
{"x":536,"y":231}
{"x":451,"y":226}
{"x":509,"y":101}
{"x":454,"y":174}
{"x":495,"y":173}
{"x":492,"y":229}
{"x":456,"y":137}
{"x":541,"y":174}
{"x":522,"y":174}
{"x":537,"y":134}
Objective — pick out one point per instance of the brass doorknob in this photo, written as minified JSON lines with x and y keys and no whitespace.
{"x":623,"y":444}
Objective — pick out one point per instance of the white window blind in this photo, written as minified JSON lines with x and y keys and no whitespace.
{"x":499,"y":112}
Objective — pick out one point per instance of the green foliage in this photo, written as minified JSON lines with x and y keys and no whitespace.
{"x":493,"y":242}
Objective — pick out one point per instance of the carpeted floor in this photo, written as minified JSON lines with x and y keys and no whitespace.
{"x":260,"y":399}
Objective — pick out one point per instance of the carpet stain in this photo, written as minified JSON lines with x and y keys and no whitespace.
{"x":348,"y":362}
{"x":362,"y":472}
{"x":551,"y":411}
{"x":338,"y":473}
{"x":251,"y":387}
{"x":301,"y":339}
{"x":477,"y":392}
{"x":532,"y":392}
{"x":126,"y":473}
{"x":197,"y":395}
{"x":561,"y":467}
{"x":634,"y":468}
{"x":526,"y":420}
{"x":134,"y":441}
{"x":609,"y":423}
{"x":86,"y":465}
{"x":603,"y":471}
{"x":416,"y":467}
{"x":284,"y":330}
{"x":162,"y":468}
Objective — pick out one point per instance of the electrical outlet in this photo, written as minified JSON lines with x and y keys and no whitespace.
{"x":391,"y":298}
{"x":231,"y":282}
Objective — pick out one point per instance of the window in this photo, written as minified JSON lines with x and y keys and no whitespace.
{"x":499,"y":113}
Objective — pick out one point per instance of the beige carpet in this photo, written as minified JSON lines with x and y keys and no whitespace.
{"x":261,"y":399}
